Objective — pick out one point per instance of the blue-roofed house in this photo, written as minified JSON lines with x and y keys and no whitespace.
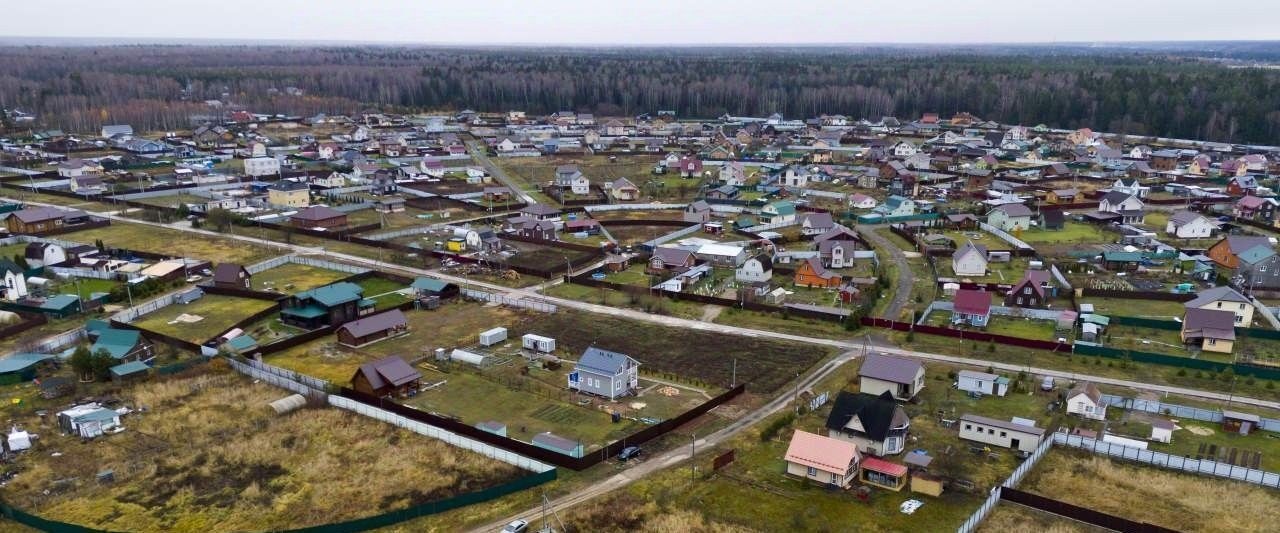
{"x":130,"y":370}
{"x":122,"y":344}
{"x":605,"y":373}
{"x":556,"y":443}
{"x":896,"y":206}
{"x":331,"y":305}
{"x":424,"y":287}
{"x":61,"y":306}
{"x":23,"y":365}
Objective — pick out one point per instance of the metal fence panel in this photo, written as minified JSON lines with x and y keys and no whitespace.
{"x":1198,"y":466}
{"x":506,"y":300}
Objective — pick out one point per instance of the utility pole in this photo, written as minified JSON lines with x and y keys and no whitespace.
{"x":734,"y":381}
{"x":693,"y":451}
{"x":796,"y":397}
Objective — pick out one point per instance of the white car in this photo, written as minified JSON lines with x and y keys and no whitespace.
{"x":517,"y":526}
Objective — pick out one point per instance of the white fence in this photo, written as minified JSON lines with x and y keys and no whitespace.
{"x":526,"y":303}
{"x":54,"y":343}
{"x":1175,"y":462}
{"x":993,"y":499}
{"x":88,"y":273}
{"x":1179,"y":411}
{"x":303,"y":260}
{"x":406,"y":232}
{"x":1015,"y":242}
{"x":448,"y":437}
{"x":632,"y":207}
{"x":672,"y":236}
{"x":773,"y":226}
{"x":285,"y":379}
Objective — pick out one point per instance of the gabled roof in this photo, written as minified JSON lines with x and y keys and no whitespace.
{"x":1182,"y":218}
{"x":766,"y":262}
{"x":316,"y":213}
{"x":429,"y":284}
{"x":40,"y":214}
{"x":1209,"y":323}
{"x":1239,"y":243}
{"x":603,"y":361}
{"x":117,"y":342}
{"x":1115,"y":197}
{"x":1002,"y":424}
{"x":823,"y":453}
{"x":389,"y":371}
{"x":331,"y":295}
{"x":1221,"y":293}
{"x":227,"y":273}
{"x":819,"y":220}
{"x":21,"y":361}
{"x":837,"y":233}
{"x":1256,"y":255}
{"x":893,"y":369}
{"x":1087,"y":389}
{"x":375,"y":323}
{"x":877,"y":414}
{"x":969,"y":247}
{"x":540,"y":210}
{"x":1034,"y":279}
{"x":818,"y":270}
{"x":972,"y":302}
{"x":672,"y":256}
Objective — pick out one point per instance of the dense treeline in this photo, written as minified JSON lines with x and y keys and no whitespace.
{"x":1136,"y":92}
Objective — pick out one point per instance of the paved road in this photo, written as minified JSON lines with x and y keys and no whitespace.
{"x":479,"y":152}
{"x":906,"y":278}
{"x":670,"y":458}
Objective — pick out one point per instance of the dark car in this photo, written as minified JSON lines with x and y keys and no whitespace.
{"x":628,"y":453}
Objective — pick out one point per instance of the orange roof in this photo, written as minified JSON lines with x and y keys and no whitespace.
{"x":884,"y":467}
{"x":823,"y":453}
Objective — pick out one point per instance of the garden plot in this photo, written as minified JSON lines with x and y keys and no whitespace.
{"x":292,"y":278}
{"x":202,"y":319}
{"x":210,"y":455}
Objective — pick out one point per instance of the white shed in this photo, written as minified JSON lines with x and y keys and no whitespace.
{"x":493,"y":336}
{"x":1122,"y":441}
{"x":538,"y":343}
{"x":1161,"y":430}
{"x":982,"y":383}
{"x":19,"y":440}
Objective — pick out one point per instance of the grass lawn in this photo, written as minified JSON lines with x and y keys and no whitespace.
{"x":997,"y":272}
{"x":176,"y":469}
{"x":1023,"y":328}
{"x":1071,"y":232}
{"x":978,"y":237}
{"x":384,"y":292}
{"x":1189,"y":435}
{"x":87,"y":286}
{"x":1135,"y":308}
{"x":1181,"y":500}
{"x":174,"y":242}
{"x":1012,"y":517}
{"x":219,"y":312}
{"x":292,"y":278}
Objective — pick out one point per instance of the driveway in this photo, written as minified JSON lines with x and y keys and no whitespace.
{"x":906,"y":278}
{"x":480,"y":153}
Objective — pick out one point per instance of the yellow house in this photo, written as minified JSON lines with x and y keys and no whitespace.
{"x":1213,"y":330}
{"x":289,"y":194}
{"x":1224,"y":299}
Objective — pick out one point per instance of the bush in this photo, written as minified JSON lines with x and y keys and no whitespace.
{"x":1271,"y":385}
{"x":1182,"y":372}
{"x":770,"y":431}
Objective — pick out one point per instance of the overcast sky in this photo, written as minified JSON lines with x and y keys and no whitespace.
{"x":640,"y":22}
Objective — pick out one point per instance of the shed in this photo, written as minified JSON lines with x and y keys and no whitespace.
{"x":982,"y":383}
{"x":242,"y":344}
{"x":493,"y":336}
{"x":497,"y":428}
{"x":373,"y":328}
{"x":556,"y":443}
{"x":538,"y":343}
{"x":387,"y":376}
{"x":1237,"y":422}
{"x":883,"y":474}
{"x":1161,"y":430}
{"x":18,"y":440}
{"x":88,"y":420}
{"x":130,"y":370}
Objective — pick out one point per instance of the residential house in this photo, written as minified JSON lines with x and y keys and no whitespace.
{"x":982,"y":383}
{"x":896,"y":206}
{"x":1213,"y":330}
{"x":794,"y":177}
{"x":1259,"y":269}
{"x":569,"y":177}
{"x":15,"y":280}
{"x":697,"y":211}
{"x":816,"y":223}
{"x":876,"y":424}
{"x":389,"y":376}
{"x":538,"y":229}
{"x":1189,"y":225}
{"x":836,"y":247}
{"x":1124,"y":204}
{"x":1242,"y":186}
{"x":331,"y":305}
{"x":721,"y":255}
{"x":372,"y":328}
{"x":1132,"y":187}
{"x":623,"y":190}
{"x":779,"y":212}
{"x":1226,"y":252}
{"x":74,"y":168}
{"x":861,"y":201}
{"x":1223,"y":298}
{"x":1015,"y":435}
{"x":541,"y":212}
{"x":901,"y":378}
{"x":35,"y":220}
{"x":970,"y":260}
{"x":723,"y":192}
{"x":1052,"y":219}
{"x":1062,"y":196}
{"x":689,"y":167}
{"x":756,"y":269}
{"x":122,"y":344}
{"x":605,"y":373}
{"x":496,"y":194}
{"x":1121,"y":261}
{"x":261,"y":166}
{"x":1085,"y":400}
{"x":905,"y":149}
{"x":288,"y":193}
{"x":811,"y":273}
{"x":112,"y":130}
{"x":1255,"y":208}
{"x":231,"y":276}
{"x":971,"y":306}
{"x":318,"y":217}
{"x":733,"y":173}
{"x":667,"y":259}
{"x":40,"y":254}
{"x":1032,"y":291}
{"x":1010,"y":217}
{"x":826,"y":460}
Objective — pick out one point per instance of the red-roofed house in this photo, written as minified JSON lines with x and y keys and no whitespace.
{"x":822,"y":459}
{"x":972,"y":306}
{"x":883,"y":474}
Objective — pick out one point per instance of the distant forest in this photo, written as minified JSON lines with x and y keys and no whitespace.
{"x":1140,"y":92}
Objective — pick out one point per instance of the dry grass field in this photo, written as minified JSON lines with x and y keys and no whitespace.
{"x":173,"y":242}
{"x":210,"y":455}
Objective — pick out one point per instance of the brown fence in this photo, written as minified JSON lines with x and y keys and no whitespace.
{"x":29,"y":321}
{"x":978,"y":336}
{"x":585,"y":279}
{"x":93,"y":223}
{"x":242,"y":293}
{"x":535,"y":452}
{"x":159,"y":337}
{"x":646,"y":222}
{"x":296,"y":340}
{"x":1075,"y":512}
{"x":1137,"y":295}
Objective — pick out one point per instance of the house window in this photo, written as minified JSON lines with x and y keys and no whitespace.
{"x":991,"y":431}
{"x":1242,"y":307}
{"x":1219,"y":305}
{"x":1213,"y":342}
{"x":1003,"y":434}
{"x":1239,"y":319}
{"x":835,"y":479}
{"x":813,"y":471}
{"x":968,"y":427}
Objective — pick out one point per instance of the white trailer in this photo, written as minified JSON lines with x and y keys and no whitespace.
{"x":538,"y":343}
{"x":493,"y":336}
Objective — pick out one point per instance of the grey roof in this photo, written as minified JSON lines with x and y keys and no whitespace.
{"x":1223,"y":293}
{"x":1015,"y":210}
{"x":554,"y":441}
{"x":892,"y":369}
{"x":40,"y":214}
{"x":1210,"y":323}
{"x":820,"y":220}
{"x":672,"y":256}
{"x":977,"y":375}
{"x":391,"y":370}
{"x":540,"y":210}
{"x":968,"y":245}
{"x":1182,"y":218}
{"x":227,"y":273}
{"x":603,"y":361}
{"x":376,"y":323}
{"x":1115,"y":197}
{"x":1237,"y":243}
{"x":318,"y":212}
{"x":1002,"y":424}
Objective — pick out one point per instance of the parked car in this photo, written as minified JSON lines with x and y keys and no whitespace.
{"x":628,"y":453}
{"x":516,"y":526}
{"x":1047,"y":383}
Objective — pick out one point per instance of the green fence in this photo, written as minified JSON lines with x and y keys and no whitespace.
{"x":180,"y":366}
{"x":1081,"y":348}
{"x":1153,"y":323}
{"x":360,"y":524}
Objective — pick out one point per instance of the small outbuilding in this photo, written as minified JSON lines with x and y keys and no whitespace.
{"x":1161,"y":430}
{"x":556,"y":443}
{"x":1237,"y":422}
{"x":389,"y":376}
{"x":982,"y":383}
{"x":1013,"y":435}
{"x":373,"y":328}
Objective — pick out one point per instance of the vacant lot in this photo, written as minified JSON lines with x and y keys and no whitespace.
{"x":597,"y":169}
{"x":1071,"y":232}
{"x":1135,"y":308}
{"x":1144,"y":493}
{"x":545,"y":257}
{"x":173,"y":242}
{"x":212,"y":456}
{"x":633,"y":235}
{"x":292,"y":278}
{"x":217,"y":314}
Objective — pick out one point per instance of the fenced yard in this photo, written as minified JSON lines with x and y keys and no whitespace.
{"x":215,"y":314}
{"x":292,"y":278}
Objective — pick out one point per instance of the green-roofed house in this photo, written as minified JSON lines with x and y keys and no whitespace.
{"x":122,"y":344}
{"x":780,"y":212}
{"x":1121,"y":261}
{"x":331,"y":305}
{"x":22,"y":365}
{"x":130,"y":370}
{"x":61,"y":306}
{"x":427,"y":287}
{"x":242,"y":344}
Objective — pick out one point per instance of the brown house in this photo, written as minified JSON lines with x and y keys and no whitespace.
{"x":373,"y":328}
{"x":1226,"y":252}
{"x":666,"y":260}
{"x":319,"y":216}
{"x":36,"y":220}
{"x":1032,"y":291}
{"x":231,"y":276}
{"x":390,"y":376}
{"x":812,"y":274}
